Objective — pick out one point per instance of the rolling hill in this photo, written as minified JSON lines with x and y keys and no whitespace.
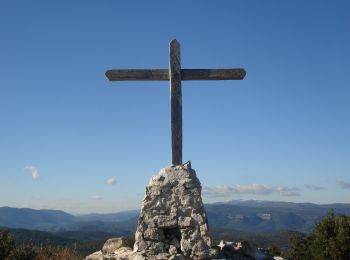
{"x":248,"y":216}
{"x":33,"y":219}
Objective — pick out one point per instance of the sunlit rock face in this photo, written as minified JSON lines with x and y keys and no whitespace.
{"x":173,"y":220}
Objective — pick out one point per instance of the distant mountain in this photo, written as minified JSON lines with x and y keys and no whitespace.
{"x":33,"y":219}
{"x":269,"y":216}
{"x":109,"y":217}
{"x":245,"y":216}
{"x":119,"y":228}
{"x":287,"y":205}
{"x":121,"y":223}
{"x":262,"y":223}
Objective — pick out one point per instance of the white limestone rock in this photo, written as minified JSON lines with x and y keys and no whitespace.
{"x":236,"y":250}
{"x":95,"y":256}
{"x":173,"y":219}
{"x":113,"y":244}
{"x":123,"y":253}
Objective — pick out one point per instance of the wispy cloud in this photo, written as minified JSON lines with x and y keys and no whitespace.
{"x":288,"y":191}
{"x":219,"y":191}
{"x":96,"y":197}
{"x":111,"y":181}
{"x":314,"y":187}
{"x":344,"y":184}
{"x":257,"y":189}
{"x":32,"y":170}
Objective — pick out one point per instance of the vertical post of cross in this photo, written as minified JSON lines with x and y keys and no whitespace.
{"x":175,"y":102}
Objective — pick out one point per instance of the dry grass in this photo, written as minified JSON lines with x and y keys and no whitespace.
{"x":30,"y":252}
{"x":56,"y":253}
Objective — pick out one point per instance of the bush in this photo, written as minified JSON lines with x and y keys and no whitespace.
{"x":330,"y":239}
{"x":7,"y":243}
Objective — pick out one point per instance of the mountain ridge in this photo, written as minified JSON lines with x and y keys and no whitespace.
{"x":248,"y":215}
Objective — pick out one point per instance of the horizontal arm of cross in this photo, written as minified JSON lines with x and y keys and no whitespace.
{"x":186,"y":74}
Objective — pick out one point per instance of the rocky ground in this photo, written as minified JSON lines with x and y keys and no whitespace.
{"x":121,"y":249}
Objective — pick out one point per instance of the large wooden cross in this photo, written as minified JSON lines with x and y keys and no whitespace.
{"x":175,"y":74}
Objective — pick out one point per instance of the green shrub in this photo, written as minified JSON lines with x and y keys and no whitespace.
{"x":330,"y":239}
{"x":7,"y":243}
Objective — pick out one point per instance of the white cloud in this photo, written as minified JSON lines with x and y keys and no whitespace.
{"x":220,"y":191}
{"x":96,"y":197}
{"x":288,"y":191}
{"x":257,"y":189}
{"x":344,"y":184}
{"x":314,"y":187}
{"x":260,"y":189}
{"x":111,"y":181}
{"x":32,"y":170}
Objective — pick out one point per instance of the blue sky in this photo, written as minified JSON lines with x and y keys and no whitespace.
{"x":71,"y":140}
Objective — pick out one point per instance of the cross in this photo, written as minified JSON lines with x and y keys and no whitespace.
{"x":175,"y":74}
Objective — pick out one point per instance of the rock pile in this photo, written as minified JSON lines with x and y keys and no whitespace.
{"x":119,"y":249}
{"x":173,"y":219}
{"x":172,"y":224}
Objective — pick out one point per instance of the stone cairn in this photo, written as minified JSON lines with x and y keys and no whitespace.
{"x":173,"y":225}
{"x":173,"y":219}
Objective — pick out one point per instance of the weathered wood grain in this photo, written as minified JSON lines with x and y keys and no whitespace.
{"x":175,"y":102}
{"x":213,"y":74}
{"x":186,"y":74}
{"x":138,"y":74}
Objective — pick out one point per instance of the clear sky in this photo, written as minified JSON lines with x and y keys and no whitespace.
{"x":71,"y":140}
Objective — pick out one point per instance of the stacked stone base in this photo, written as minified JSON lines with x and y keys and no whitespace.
{"x":119,"y":249}
{"x":126,"y":253}
{"x":172,"y":224}
{"x":173,"y":220}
